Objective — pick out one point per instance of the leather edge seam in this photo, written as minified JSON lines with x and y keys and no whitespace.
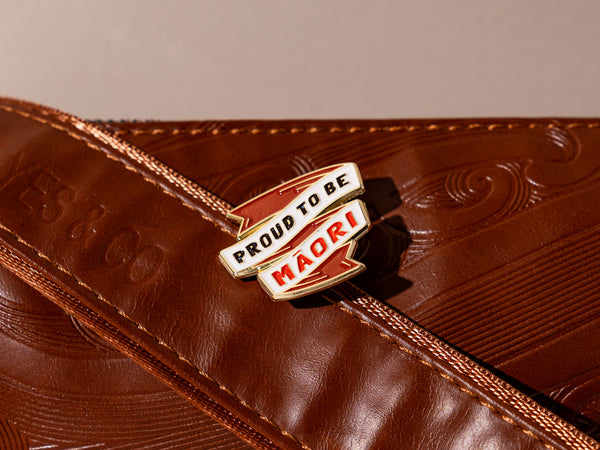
{"x":451,"y":380}
{"x":154,"y":337}
{"x":114,"y":158}
{"x":562,"y":430}
{"x":350,"y":129}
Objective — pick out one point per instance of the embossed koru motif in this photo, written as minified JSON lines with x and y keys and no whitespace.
{"x":299,"y":237}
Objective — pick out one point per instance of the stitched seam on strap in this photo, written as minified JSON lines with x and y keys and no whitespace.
{"x":154,"y":337}
{"x":565,"y":432}
{"x":122,"y":163}
{"x":454,"y":382}
{"x":352,"y":129}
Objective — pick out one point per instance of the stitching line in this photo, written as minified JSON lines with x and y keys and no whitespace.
{"x":473,"y":395}
{"x":122,"y":163}
{"x":154,"y":337}
{"x":351,"y":129}
{"x":209,"y":199}
{"x":566,"y":432}
{"x":158,"y":168}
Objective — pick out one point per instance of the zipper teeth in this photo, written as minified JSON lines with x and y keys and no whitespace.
{"x":43,"y":284}
{"x":502,"y":390}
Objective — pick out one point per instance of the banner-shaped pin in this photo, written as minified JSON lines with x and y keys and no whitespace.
{"x":299,"y":237}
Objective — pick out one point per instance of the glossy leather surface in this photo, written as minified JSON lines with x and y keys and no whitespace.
{"x":64,"y":386}
{"x":485,"y":231}
{"x":133,"y":257}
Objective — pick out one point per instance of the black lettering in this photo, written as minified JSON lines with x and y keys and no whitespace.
{"x":288,"y":221}
{"x":301,"y":208}
{"x":341,"y":181}
{"x":252,"y":249}
{"x":277,"y":234}
{"x":239,"y":256}
{"x":265,"y":240}
{"x":313,"y":200}
{"x":329,"y":188}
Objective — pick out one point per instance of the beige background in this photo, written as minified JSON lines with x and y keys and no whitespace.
{"x":273,"y":59}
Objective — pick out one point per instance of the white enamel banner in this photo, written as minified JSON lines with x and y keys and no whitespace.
{"x":299,"y":237}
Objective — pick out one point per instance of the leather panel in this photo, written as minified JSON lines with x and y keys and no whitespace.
{"x":201,"y":318}
{"x":484,"y":230}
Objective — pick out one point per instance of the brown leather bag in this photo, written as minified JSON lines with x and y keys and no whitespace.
{"x":476,"y":317}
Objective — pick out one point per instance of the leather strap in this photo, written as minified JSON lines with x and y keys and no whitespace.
{"x":485,"y":230}
{"x":129,"y":248}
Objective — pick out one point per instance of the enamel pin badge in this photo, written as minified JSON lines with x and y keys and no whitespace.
{"x":299,"y":237}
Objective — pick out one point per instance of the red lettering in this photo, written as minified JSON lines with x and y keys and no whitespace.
{"x":351,"y":219}
{"x":285,"y":271}
{"x":335,"y":230}
{"x":313,"y":247}
{"x":303,"y":261}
